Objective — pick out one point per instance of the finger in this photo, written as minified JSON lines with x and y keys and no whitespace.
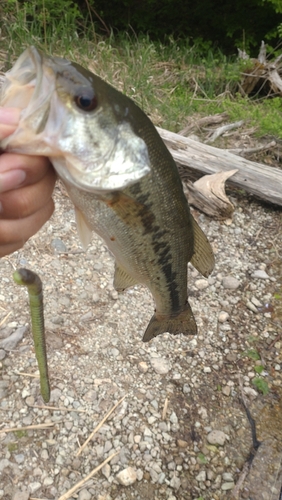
{"x":9,"y":118}
{"x":13,"y":234}
{"x":33,"y":168}
{"x":25,"y":201}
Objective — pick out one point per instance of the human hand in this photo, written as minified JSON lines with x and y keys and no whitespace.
{"x":26,"y":186}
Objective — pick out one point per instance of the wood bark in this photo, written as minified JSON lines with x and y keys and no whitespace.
{"x":256,"y":178}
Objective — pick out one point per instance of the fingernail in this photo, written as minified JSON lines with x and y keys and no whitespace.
{"x":9,"y":116}
{"x":11,"y":180}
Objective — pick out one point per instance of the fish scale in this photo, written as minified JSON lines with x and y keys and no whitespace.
{"x":120,"y":176}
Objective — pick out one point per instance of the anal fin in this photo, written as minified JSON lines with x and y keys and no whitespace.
{"x":122,"y":279}
{"x":184,"y":323}
{"x":203,"y":258}
{"x":83,"y":229}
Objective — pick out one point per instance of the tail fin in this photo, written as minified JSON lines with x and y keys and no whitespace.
{"x":184,"y":323}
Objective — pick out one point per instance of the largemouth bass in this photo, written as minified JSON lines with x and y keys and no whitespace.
{"x":119,"y":174}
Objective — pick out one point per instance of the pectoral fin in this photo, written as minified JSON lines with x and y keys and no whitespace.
{"x":132,"y":212}
{"x":83,"y":229}
{"x":122,"y":279}
{"x":203,"y":258}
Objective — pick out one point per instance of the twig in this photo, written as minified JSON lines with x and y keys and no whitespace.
{"x":238,"y":486}
{"x":27,"y":374}
{"x":165,"y":409}
{"x":98,"y":426}
{"x":5,"y":319}
{"x":221,"y":130}
{"x":58,"y":408}
{"x":204,"y":121}
{"x":27,"y":427}
{"x":246,"y":151}
{"x":69,"y":493}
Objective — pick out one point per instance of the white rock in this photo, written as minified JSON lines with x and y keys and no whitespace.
{"x":34,"y":487}
{"x":84,"y":495}
{"x":203,"y":412}
{"x":260,"y":274}
{"x":250,"y":391}
{"x":173,"y":418}
{"x":201,"y":476}
{"x":201,"y":284}
{"x":227,"y":486}
{"x":48,"y":481}
{"x":175,"y":483}
{"x":256,"y":302}
{"x":25,"y":393}
{"x":216,"y":437}
{"x":226,"y":390}
{"x":227,"y":476}
{"x":139,"y":474}
{"x":251,"y":306}
{"x":230,"y":282}
{"x":21,"y":495}
{"x":207,"y":369}
{"x":143,"y":367}
{"x":127,"y":476}
{"x":160,"y":365}
{"x":223,"y":316}
{"x":106,"y":470}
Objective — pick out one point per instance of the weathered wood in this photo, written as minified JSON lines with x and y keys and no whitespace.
{"x":208,"y":195}
{"x":256,"y":178}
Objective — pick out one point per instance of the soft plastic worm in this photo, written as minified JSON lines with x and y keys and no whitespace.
{"x":34,"y":285}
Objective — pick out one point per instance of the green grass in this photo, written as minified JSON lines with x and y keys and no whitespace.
{"x":170,"y":82}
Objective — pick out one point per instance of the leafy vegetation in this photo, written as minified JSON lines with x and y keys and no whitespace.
{"x":252,"y":354}
{"x":227,"y":25}
{"x":171,"y":81}
{"x":261,"y":385}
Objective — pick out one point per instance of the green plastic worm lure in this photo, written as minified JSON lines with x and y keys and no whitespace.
{"x":34,"y":285}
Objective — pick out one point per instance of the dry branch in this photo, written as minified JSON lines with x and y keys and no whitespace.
{"x":256,"y":178}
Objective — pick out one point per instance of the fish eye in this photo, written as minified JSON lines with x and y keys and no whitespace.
{"x":86,"y":102}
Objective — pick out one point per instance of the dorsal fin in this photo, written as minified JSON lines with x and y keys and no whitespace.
{"x":203,"y":258}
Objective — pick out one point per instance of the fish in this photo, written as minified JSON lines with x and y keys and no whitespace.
{"x":119,"y":174}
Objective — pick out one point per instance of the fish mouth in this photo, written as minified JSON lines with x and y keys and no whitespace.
{"x":42,"y":87}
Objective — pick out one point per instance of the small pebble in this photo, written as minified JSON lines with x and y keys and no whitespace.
{"x":84,"y":495}
{"x":226,"y":390}
{"x":201,"y":284}
{"x":201,"y":476}
{"x":260,"y":274}
{"x":143,"y":367}
{"x":223,"y":316}
{"x":160,"y":365}
{"x":251,"y":306}
{"x":127,"y":476}
{"x":227,"y":486}
{"x":231,"y":283}
{"x":216,"y":437}
{"x":58,"y":245}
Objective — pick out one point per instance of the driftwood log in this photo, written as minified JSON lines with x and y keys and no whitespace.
{"x":256,"y":178}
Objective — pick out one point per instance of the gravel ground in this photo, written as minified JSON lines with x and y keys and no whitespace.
{"x":182,"y":431}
